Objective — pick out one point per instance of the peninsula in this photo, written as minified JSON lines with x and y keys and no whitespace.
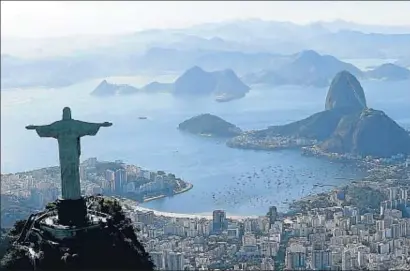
{"x":209,"y":125}
{"x":347,"y":127}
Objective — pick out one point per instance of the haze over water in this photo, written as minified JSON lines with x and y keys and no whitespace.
{"x":219,"y":174}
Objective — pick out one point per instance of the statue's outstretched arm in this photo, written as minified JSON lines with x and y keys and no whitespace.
{"x":44,"y":130}
{"x":89,"y":128}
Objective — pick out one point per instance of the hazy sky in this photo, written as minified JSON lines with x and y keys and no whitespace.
{"x":43,"y":19}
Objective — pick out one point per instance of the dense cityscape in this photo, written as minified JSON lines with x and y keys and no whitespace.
{"x":255,"y":136}
{"x":338,"y":230}
{"x":337,"y":236}
{"x":25,"y":192}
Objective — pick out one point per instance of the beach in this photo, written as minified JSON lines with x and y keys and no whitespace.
{"x":130,"y":204}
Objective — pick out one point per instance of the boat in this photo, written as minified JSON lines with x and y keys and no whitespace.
{"x":142,"y":118}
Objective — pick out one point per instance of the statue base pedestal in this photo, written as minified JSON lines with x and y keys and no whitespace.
{"x":72,"y":212}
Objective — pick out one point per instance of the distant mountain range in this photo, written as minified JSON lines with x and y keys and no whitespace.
{"x":60,"y":71}
{"x":304,"y":68}
{"x":223,"y":86}
{"x":339,"y":38}
{"x":245,"y":46}
{"x":312,"y":69}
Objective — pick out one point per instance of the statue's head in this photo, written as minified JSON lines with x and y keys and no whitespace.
{"x":66,"y":113}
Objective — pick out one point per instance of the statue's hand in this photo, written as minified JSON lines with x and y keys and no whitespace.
{"x":106,"y":124}
{"x":31,"y":127}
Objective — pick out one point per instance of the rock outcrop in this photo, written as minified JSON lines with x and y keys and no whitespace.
{"x":195,"y":81}
{"x":369,"y":132}
{"x":345,"y":91}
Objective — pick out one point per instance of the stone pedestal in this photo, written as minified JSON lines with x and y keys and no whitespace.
{"x":72,"y":212}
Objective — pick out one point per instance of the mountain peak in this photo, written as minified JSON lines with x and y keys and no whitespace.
{"x":308,"y":55}
{"x":223,"y":83}
{"x":109,"y":89}
{"x":195,"y":69}
{"x":345,"y":91}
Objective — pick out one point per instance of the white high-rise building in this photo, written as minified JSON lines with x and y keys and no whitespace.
{"x":321,"y":259}
{"x":83,"y":172}
{"x":295,"y":260}
{"x":403,"y":192}
{"x":347,"y":263}
{"x":120,"y":179}
{"x":268,"y":264}
{"x":175,"y":261}
{"x":393,"y":193}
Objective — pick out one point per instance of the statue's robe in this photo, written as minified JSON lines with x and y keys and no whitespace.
{"x":68,"y":134}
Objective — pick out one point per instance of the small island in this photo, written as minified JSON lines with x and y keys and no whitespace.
{"x":105,"y":89}
{"x":346,"y":129}
{"x":209,"y":125}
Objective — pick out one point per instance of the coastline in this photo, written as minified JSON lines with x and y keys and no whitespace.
{"x":208,"y":215}
{"x":134,"y":205}
{"x":186,"y":189}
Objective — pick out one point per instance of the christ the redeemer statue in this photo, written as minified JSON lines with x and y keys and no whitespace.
{"x":68,"y":132}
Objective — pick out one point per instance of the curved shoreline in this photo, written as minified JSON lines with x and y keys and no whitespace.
{"x":134,"y":205}
{"x":186,"y":189}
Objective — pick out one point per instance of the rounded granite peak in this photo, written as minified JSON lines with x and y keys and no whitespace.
{"x":346,"y":92}
{"x":195,"y":69}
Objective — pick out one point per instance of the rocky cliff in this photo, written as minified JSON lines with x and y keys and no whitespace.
{"x":369,"y":132}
